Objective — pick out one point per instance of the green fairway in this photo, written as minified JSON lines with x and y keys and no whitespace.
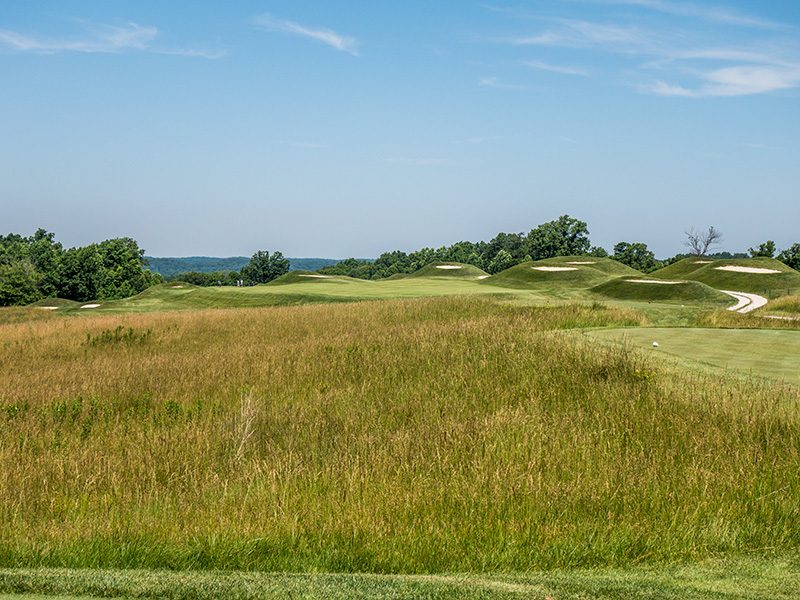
{"x":294,"y":290}
{"x":768,"y":353}
{"x":729,"y":579}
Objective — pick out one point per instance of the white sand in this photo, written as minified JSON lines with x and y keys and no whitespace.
{"x":48,"y":307}
{"x":782,"y":318}
{"x":447,"y":267}
{"x":482,"y":276}
{"x":581,"y":262}
{"x":738,"y":269}
{"x":317,"y":276}
{"x":703,"y":262}
{"x":90,"y":306}
{"x":746,"y":302}
{"x":658,"y":281}
{"x":176,"y":287}
{"x":554,"y":268}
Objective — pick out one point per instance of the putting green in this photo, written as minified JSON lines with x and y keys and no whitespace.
{"x":768,"y":353}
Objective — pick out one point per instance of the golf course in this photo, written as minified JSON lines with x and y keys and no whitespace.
{"x":446,"y":433}
{"x":350,"y":300}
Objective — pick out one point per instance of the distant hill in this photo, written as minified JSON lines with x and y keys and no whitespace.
{"x":169,"y":266}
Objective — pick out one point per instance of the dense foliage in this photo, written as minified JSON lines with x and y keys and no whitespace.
{"x":179,"y":267}
{"x":636,"y":256}
{"x":564,"y":236}
{"x":791,"y":256}
{"x":36,"y":267}
{"x":264,"y":267}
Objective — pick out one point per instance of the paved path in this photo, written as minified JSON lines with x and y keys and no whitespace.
{"x":746,"y":302}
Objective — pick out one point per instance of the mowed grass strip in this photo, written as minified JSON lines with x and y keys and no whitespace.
{"x":770,"y":353}
{"x":738,"y":578}
{"x":434,"y":435}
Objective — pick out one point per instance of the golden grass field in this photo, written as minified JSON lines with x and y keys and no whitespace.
{"x":413,"y":436}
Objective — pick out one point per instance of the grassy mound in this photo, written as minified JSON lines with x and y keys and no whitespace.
{"x":605,"y":265}
{"x":626,"y":288}
{"x":786,"y":280}
{"x":683,"y":268}
{"x":526,"y":275}
{"x":462,"y":271}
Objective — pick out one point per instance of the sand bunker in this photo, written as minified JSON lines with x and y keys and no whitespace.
{"x":745,"y":302}
{"x":447,"y":267}
{"x":703,"y":262}
{"x":48,"y":307}
{"x":554,"y":268}
{"x":658,"y":281}
{"x":176,"y":287}
{"x":582,"y":262}
{"x":482,"y":277}
{"x":316,"y":276}
{"x":738,"y":269}
{"x":90,"y":306}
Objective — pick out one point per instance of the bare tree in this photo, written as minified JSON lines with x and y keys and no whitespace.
{"x":700,"y":241}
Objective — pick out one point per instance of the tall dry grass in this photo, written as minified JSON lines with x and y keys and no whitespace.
{"x":430,"y":435}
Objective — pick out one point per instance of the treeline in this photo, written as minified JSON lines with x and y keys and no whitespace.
{"x":263,"y":267}
{"x":565,"y":236}
{"x":173,"y":268}
{"x":36,"y":267}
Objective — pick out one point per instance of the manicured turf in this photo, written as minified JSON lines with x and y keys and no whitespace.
{"x":579,"y":276}
{"x":731,"y":579}
{"x":768,"y":353}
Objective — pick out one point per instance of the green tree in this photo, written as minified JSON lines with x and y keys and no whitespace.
{"x":636,"y":256}
{"x":791,"y":257}
{"x":502,"y":261}
{"x":563,"y":237}
{"x":767,"y":249}
{"x":19,"y":283}
{"x":45,"y":254}
{"x":264,"y":267}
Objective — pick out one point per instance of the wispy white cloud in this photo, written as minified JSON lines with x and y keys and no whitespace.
{"x":758,"y":146}
{"x":714,"y":14}
{"x":494,"y":82}
{"x":98,"y":38}
{"x":568,"y":139}
{"x":740,"y":80}
{"x":562,"y":69}
{"x":573,"y":33}
{"x":692,"y":63}
{"x":328,"y":37}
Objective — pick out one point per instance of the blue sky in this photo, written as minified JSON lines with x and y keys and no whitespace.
{"x":349,"y":128}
